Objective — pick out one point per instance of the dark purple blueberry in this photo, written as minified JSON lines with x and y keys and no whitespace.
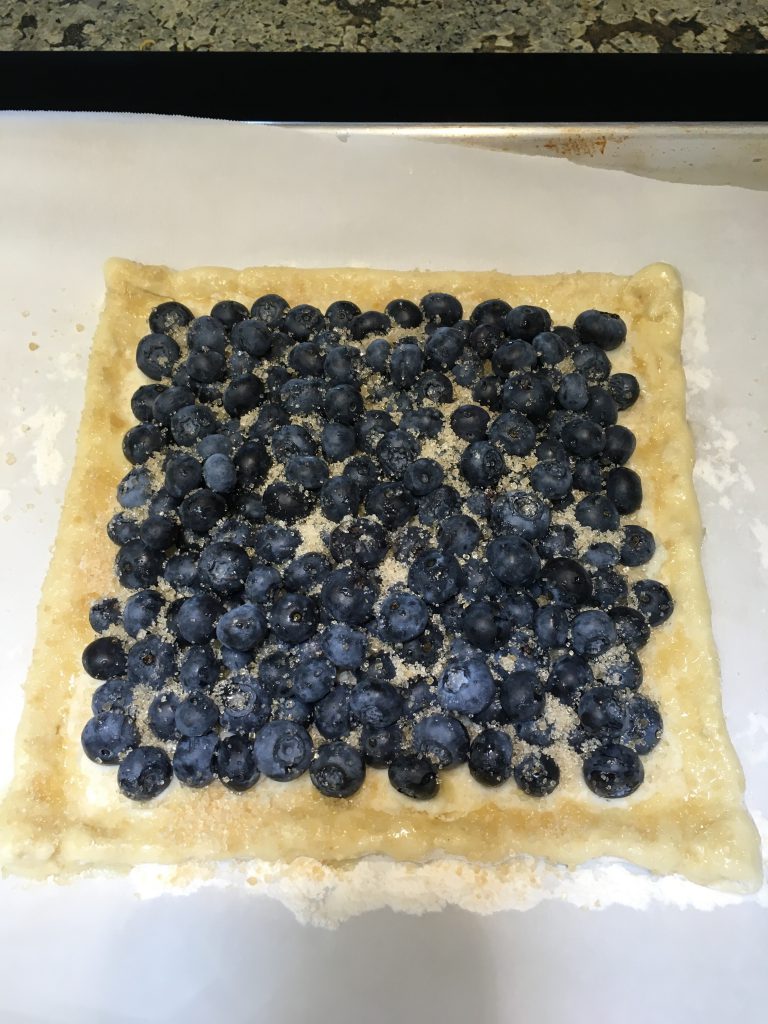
{"x":620,"y":443}
{"x":191,"y":423}
{"x":201,"y":510}
{"x":591,"y":362}
{"x":487,"y":392}
{"x":414,"y":776}
{"x":223,"y":567}
{"x":441,"y":738}
{"x":425,"y":648}
{"x":522,"y":695}
{"x":404,"y":313}
{"x":433,"y":386}
{"x":292,"y":439}
{"x":194,"y":760}
{"x":196,"y":715}
{"x":156,"y":355}
{"x":141,"y":611}
{"x":141,"y":442}
{"x":552,"y":479}
{"x":537,"y":775}
{"x":302,"y":321}
{"x":276,"y":544}
{"x":513,"y":560}
{"x":613,"y":771}
{"x":610,"y":588}
{"x":490,"y":757}
{"x":144,"y":773}
{"x":362,"y":541}
{"x":402,"y":616}
{"x":566,"y":581}
{"x":632,"y":629}
{"x":405,"y":364}
{"x":331,"y":714}
{"x":570,"y":675}
{"x":573,"y":392}
{"x":348,"y":596}
{"x":104,"y":658}
{"x":482,"y":465}
{"x":396,"y":451}
{"x":592,"y":633}
{"x":512,"y":357}
{"x":343,"y":403}
{"x":520,"y":513}
{"x":624,"y":489}
{"x":392,"y":503}
{"x":338,"y":770}
{"x":653,"y":600}
{"x":199,"y":669}
{"x":559,"y":542}
{"x":435,"y":576}
{"x":443,"y":348}
{"x":644,"y":726}
{"x":526,"y":322}
{"x":242,"y":628}
{"x":529,"y":394}
{"x":103,"y":614}
{"x":169,"y":317}
{"x":380,"y":747}
{"x":287,"y":503}
{"x":458,"y":535}
{"x":550,"y":625}
{"x":339,"y":497}
{"x":151,"y":661}
{"x":161,"y":716}
{"x":365,"y":324}
{"x":108,"y":736}
{"x":363,"y":471}
{"x":122,"y":529}
{"x":235,"y":763}
{"x":269,"y":309}
{"x":283,"y":750}
{"x":606,"y":330}
{"x":423,"y":476}
{"x":159,"y":532}
{"x":598,"y":513}
{"x":513,"y":432}
{"x":602,"y":712}
{"x":306,"y":572}
{"x":306,"y":359}
{"x":294,"y":618}
{"x":196,"y":618}
{"x":338,"y":441}
{"x":587,"y":476}
{"x":438,"y":505}
{"x":344,"y":646}
{"x":601,"y":555}
{"x":637,"y":547}
{"x":377,"y":355}
{"x":441,"y":308}
{"x":624,"y":388}
{"x":244,"y":706}
{"x":340,"y":314}
{"x":376,"y":703}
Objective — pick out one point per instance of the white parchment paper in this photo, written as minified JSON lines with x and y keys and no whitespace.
{"x":77,"y":189}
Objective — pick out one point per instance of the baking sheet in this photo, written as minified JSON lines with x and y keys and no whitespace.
{"x":78,"y":189}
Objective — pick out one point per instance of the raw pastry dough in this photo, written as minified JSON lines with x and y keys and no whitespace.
{"x":63,"y":815}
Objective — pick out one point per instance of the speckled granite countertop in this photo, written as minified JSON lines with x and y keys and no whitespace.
{"x":610,"y":26}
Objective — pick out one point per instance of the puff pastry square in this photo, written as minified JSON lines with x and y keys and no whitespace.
{"x":63,"y":815}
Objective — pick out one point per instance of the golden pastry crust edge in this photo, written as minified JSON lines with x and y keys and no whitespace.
{"x":54,"y":820}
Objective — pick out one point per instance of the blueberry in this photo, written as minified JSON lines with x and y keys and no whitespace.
{"x":196,"y":618}
{"x":199,"y":669}
{"x":194,"y":760}
{"x":306,"y":571}
{"x":338,"y":441}
{"x":169,"y":317}
{"x":537,"y":732}
{"x":414,"y":775}
{"x":513,"y":560}
{"x":190,"y":423}
{"x":377,"y":355}
{"x":443,"y":348}
{"x":161,"y":716}
{"x":287,"y":502}
{"x":458,"y":535}
{"x":522,"y":695}
{"x":654,"y":601}
{"x":537,"y":775}
{"x":513,"y":356}
{"x":573,"y":393}
{"x":380,"y":747}
{"x":403,"y":616}
{"x":242,"y":628}
{"x":392,"y":503}
{"x":632,"y":629}
{"x":441,"y":308}
{"x":637,"y":547}
{"x":365,"y":324}
{"x":613,"y":771}
{"x":362,"y":541}
{"x":206,"y":366}
{"x":144,"y":773}
{"x":113,"y":695}
{"x":104,"y":658}
{"x":151,"y":662}
{"x":183,"y":474}
{"x":277,"y":376}
{"x":606,"y":330}
{"x":619,"y":445}
{"x":294,"y":618}
{"x":435,"y":576}
{"x":597,"y":512}
{"x":137,"y":566}
{"x":513,"y":432}
{"x":337,"y":769}
{"x":223,"y":567}
{"x":550,"y":347}
{"x":529,"y":394}
{"x":269,"y":309}
{"x":592,"y":633}
{"x":348,"y":596}
{"x":644,"y":726}
{"x":207,"y":333}
{"x":276,"y":544}
{"x":331,"y":714}
{"x":485,"y":339}
{"x":156,"y":355}
{"x":624,"y":389}
{"x":587,"y":476}
{"x":243,"y":394}
{"x":518,"y":607}
{"x":376,"y":703}
{"x":162,"y":503}
{"x":344,"y":646}
{"x":109,"y":735}
{"x":591,"y":362}
{"x":465,"y":686}
{"x":404,"y":313}
{"x":141,"y":442}
{"x":302,"y":321}
{"x":483,"y":626}
{"x":362,"y":471}
{"x":248,"y":506}
{"x":201,"y":510}
{"x":439,"y":504}
{"x":569,"y":676}
{"x":343,"y":404}
{"x":235,"y":660}
{"x":610,"y":588}
{"x":235,"y":763}
{"x":135,"y":489}
{"x":104,"y":613}
{"x":283,"y":750}
{"x":340,"y":314}
{"x":141,"y":611}
{"x":566,"y":581}
{"x":169,"y":402}
{"x":405,"y":364}
{"x":583,"y":438}
{"x":424,"y":649}
{"x":624,"y":489}
{"x":559,"y":542}
{"x":442,"y":739}
{"x":552,"y":479}
{"x":433,"y":386}
{"x":487,"y":392}
{"x":121,"y":529}
{"x":245,"y":706}
{"x":468,"y":369}
{"x":292,"y":439}
{"x":313,"y":679}
{"x":522,"y":514}
{"x":551,"y":625}
{"x":196,"y":715}
{"x":372,"y":428}
{"x":602,"y":712}
{"x":271,"y":417}
{"x":550,"y":450}
{"x":306,"y":359}
{"x":340,"y":364}
{"x":601,"y":555}
{"x":482,"y":465}
{"x":423,"y":476}
{"x":252,"y":337}
{"x":396,"y":451}
{"x":526,"y":322}
{"x":339,"y":497}
{"x":490,"y":757}
{"x":159,"y":533}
